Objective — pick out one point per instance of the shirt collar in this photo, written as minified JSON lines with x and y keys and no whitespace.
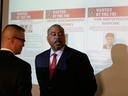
{"x":7,"y":50}
{"x":109,"y":47}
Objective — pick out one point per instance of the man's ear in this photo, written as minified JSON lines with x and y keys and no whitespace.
{"x":11,"y":40}
{"x":47,"y":38}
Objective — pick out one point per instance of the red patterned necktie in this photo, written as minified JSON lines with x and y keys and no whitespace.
{"x":52,"y":67}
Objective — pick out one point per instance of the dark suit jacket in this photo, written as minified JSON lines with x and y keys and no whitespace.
{"x":73,"y":75}
{"x":15,"y":75}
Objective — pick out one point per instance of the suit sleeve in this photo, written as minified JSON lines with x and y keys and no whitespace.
{"x":24,"y":84}
{"x":86,"y":76}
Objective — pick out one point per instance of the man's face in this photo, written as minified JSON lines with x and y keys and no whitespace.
{"x":109,"y":41}
{"x":19,"y":44}
{"x":56,"y":38}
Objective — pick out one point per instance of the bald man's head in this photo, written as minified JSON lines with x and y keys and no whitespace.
{"x":11,"y":30}
{"x":9,"y":35}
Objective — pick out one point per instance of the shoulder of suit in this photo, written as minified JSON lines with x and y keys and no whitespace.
{"x":75,"y":51}
{"x":105,"y":45}
{"x":21,"y":61}
{"x":43,"y":53}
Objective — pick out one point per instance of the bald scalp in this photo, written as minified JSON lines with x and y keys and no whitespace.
{"x":9,"y":31}
{"x":53,"y":26}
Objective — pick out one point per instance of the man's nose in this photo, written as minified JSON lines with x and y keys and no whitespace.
{"x":57,"y":36}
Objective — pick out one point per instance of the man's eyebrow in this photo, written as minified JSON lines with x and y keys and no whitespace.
{"x":53,"y":32}
{"x":61,"y":31}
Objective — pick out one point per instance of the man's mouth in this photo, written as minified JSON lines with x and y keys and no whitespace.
{"x":57,"y":42}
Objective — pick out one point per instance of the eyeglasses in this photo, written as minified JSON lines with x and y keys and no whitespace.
{"x":20,"y":39}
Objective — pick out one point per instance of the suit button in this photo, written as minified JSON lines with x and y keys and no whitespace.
{"x":49,"y":88}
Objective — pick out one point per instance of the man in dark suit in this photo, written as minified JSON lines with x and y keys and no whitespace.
{"x":15,"y":74}
{"x":73,"y":74}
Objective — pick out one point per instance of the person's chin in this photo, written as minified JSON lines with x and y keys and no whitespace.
{"x":58,"y":47}
{"x":18,"y":53}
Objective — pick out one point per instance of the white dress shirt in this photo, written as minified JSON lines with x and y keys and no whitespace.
{"x":59,"y":53}
{"x":7,"y":50}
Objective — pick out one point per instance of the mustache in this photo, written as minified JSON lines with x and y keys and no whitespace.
{"x":57,"y":41}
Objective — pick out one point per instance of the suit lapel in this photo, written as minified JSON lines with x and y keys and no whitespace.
{"x":43,"y":60}
{"x":47,"y":58}
{"x":62,"y":60}
{"x":61,"y":63}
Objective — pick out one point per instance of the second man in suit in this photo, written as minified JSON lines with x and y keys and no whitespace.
{"x":73,"y":73}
